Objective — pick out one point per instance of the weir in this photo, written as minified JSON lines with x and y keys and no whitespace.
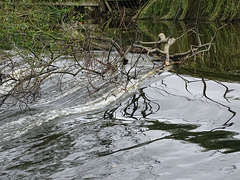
{"x":102,"y":6}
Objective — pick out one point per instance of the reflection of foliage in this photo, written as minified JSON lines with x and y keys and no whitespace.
{"x":223,"y":60}
{"x":223,"y":141}
{"x":213,"y":140}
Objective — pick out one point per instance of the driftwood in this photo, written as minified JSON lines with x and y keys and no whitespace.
{"x":168,"y":42}
{"x":152,"y":48}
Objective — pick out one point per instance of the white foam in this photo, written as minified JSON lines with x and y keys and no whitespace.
{"x":21,"y":126}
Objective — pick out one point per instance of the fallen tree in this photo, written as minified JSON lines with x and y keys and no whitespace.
{"x":22,"y":73}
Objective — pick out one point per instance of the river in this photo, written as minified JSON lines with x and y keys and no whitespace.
{"x":181,"y":124}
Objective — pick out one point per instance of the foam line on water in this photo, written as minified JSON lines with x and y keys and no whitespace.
{"x":21,"y":126}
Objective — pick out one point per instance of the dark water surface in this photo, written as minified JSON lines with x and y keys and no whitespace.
{"x":182,"y":124}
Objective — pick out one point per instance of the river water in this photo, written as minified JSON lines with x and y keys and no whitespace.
{"x":181,"y":124}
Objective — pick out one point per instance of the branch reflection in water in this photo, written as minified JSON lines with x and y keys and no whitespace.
{"x":140,"y":106}
{"x":143,"y":110}
{"x":227,"y":123}
{"x":137,"y":107}
{"x":204,"y":93}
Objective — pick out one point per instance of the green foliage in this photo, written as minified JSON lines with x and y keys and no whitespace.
{"x":28,"y":25}
{"x":212,"y":10}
